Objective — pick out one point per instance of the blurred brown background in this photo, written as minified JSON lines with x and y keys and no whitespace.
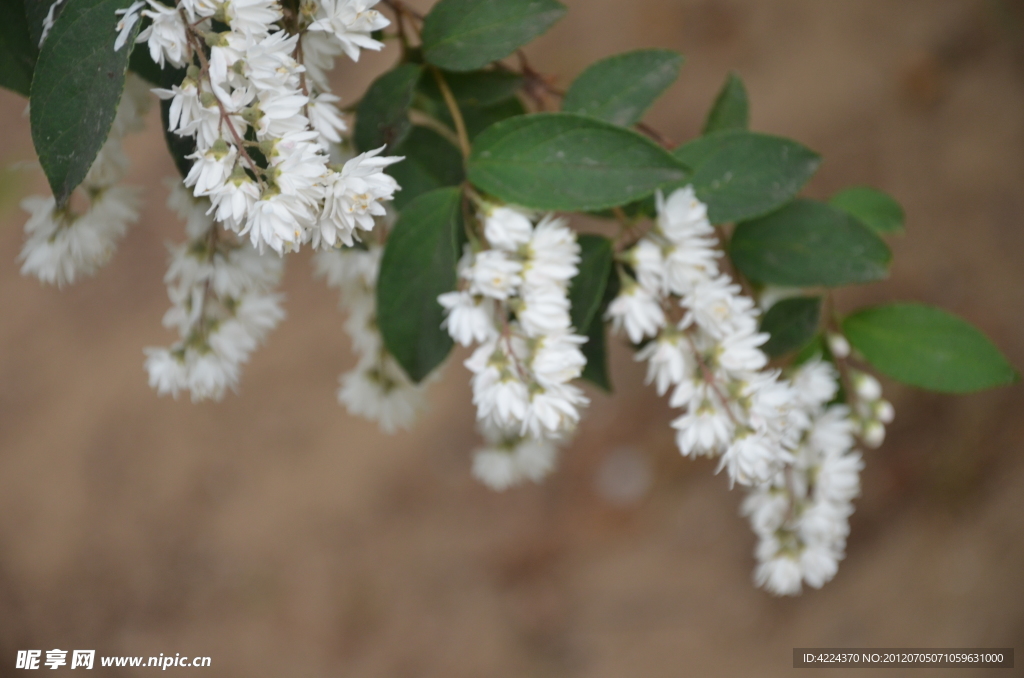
{"x":282,"y":537}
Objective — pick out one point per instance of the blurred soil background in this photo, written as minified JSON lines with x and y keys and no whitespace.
{"x":282,"y":537}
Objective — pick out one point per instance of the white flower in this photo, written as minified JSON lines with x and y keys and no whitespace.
{"x":494,"y":274}
{"x":468,"y":319}
{"x":741,"y":352}
{"x":129,"y":17}
{"x":210,"y":169}
{"x":210,"y":376}
{"x":682,"y":216}
{"x":167,"y":373}
{"x":781,"y":575}
{"x":535,"y":459}
{"x":667,"y":360}
{"x":637,"y":311}
{"x":819,"y":565}
{"x":325,"y":117}
{"x":496,"y":468}
{"x":838,"y":477}
{"x":62,"y":246}
{"x":544,"y":311}
{"x":379,"y":390}
{"x":706,"y":429}
{"x":278,"y":221}
{"x":717,"y":308}
{"x":838,"y":345}
{"x":354,"y":196}
{"x":866,"y":386}
{"x":251,"y":16}
{"x":553,"y":411}
{"x":350,"y":23}
{"x":648,"y":262}
{"x":507,"y":228}
{"x":552,"y":255}
{"x":165,"y":36}
{"x":752,"y":459}
{"x":557,"y":359}
{"x":815,"y":382}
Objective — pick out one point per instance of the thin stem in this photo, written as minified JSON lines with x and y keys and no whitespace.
{"x":453,"y":109}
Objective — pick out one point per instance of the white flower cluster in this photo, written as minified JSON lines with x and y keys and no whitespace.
{"x":709,"y":353}
{"x":871,"y":411}
{"x":801,"y":516}
{"x":62,"y":245}
{"x":223,"y":305}
{"x":378,"y":388}
{"x":513,"y":300}
{"x":263,"y":116}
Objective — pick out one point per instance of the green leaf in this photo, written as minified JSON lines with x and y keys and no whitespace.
{"x":479,"y":118}
{"x":17,"y":51}
{"x":431,"y":162}
{"x":464,"y":35}
{"x":927,"y":347}
{"x":875,"y":209}
{"x":587,"y":290}
{"x":595,"y":351}
{"x":806,"y":244}
{"x":417,"y":266}
{"x":791,"y":323}
{"x":731,"y":109}
{"x":742,"y":175}
{"x":476,"y":88}
{"x":621,"y":88}
{"x":562,"y":161}
{"x":382,"y":117}
{"x":76,"y":88}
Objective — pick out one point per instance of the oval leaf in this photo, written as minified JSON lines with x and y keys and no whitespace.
{"x":382,"y":117}
{"x":476,"y":88}
{"x":588,"y":286}
{"x":742,"y":175}
{"x":877,"y":210}
{"x":621,"y":88}
{"x":463,"y":35}
{"x":431,"y":162}
{"x":791,"y":323}
{"x":419,"y":265}
{"x":927,"y":347}
{"x":806,"y":244}
{"x":76,"y":87}
{"x":561,"y":161}
{"x":731,"y":109}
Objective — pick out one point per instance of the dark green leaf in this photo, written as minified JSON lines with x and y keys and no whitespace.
{"x":791,"y":323}
{"x":806,"y":244}
{"x":479,"y":118}
{"x":382,"y":117}
{"x":731,"y":109}
{"x":596,"y":352}
{"x":431,"y":162}
{"x":742,"y":175}
{"x":17,"y":51}
{"x":621,"y":88}
{"x":76,"y":88}
{"x":419,"y":265}
{"x":588,"y":286}
{"x":464,"y":35}
{"x":927,"y":347}
{"x":476,"y":88}
{"x":875,"y":209}
{"x":561,"y":161}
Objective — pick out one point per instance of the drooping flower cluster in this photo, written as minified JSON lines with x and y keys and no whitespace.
{"x":63,"y":245}
{"x":377,"y":388}
{"x":513,"y":301}
{"x":704,"y":345}
{"x":223,"y":306}
{"x":257,"y":102}
{"x":801,"y":516}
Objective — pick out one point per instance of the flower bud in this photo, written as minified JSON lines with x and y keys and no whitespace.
{"x":839,"y":346}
